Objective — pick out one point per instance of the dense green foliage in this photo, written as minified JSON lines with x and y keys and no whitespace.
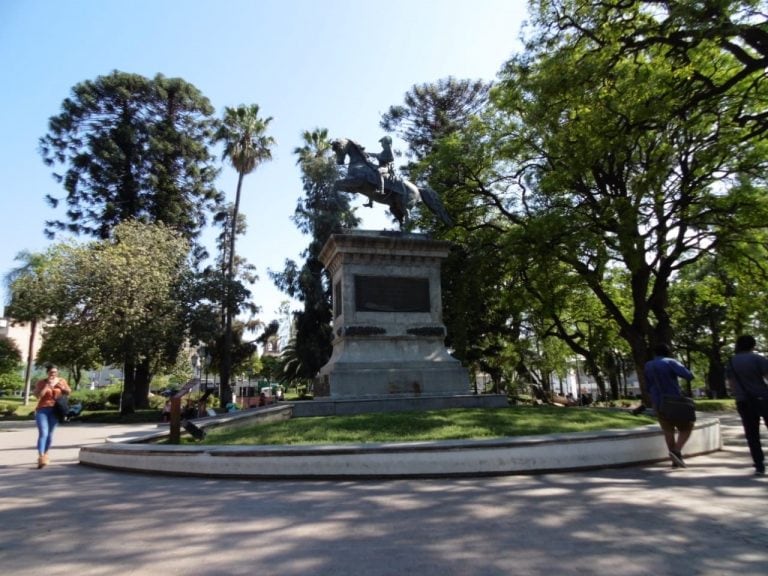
{"x":608,"y":165}
{"x":128,"y":148}
{"x":10,"y":356}
{"x":132,"y":148}
{"x":119,"y":296}
{"x":11,"y":382}
{"x":432,"y":111}
{"x":319,"y":213}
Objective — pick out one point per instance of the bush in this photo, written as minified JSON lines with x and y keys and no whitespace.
{"x":113,"y":397}
{"x":99,"y":399}
{"x":7,"y":409}
{"x":157,"y":402}
{"x":716,"y":405}
{"x":10,"y":356}
{"x":10,"y":382}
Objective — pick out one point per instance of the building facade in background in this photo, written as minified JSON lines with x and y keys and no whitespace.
{"x":20,"y":333}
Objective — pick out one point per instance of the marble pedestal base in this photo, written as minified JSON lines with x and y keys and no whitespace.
{"x":389,"y":335}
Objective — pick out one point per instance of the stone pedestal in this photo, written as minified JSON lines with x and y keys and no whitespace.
{"x":388,"y":329}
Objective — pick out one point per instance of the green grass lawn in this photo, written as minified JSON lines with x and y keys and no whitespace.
{"x":432,"y":425}
{"x":20,"y":412}
{"x":719,"y":405}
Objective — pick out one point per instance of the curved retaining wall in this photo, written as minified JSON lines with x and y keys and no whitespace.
{"x":514,"y":455}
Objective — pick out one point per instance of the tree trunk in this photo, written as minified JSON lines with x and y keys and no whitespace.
{"x":30,"y":359}
{"x":614,"y":384}
{"x":591,"y":367}
{"x":716,"y":376}
{"x":640,"y":355}
{"x":141,"y":384}
{"x":716,"y":387}
{"x":127,"y":405}
{"x":614,"y":379}
{"x":226,"y":360}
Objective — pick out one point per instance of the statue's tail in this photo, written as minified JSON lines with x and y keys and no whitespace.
{"x":433,"y":202}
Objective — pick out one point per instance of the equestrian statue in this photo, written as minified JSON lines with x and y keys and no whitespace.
{"x":380,"y":183}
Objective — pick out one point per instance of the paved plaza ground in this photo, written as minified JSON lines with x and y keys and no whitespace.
{"x":711,"y":518}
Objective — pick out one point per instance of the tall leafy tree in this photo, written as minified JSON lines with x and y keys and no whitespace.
{"x":125,"y":147}
{"x":122,"y":294}
{"x":481,"y":308}
{"x":246,"y":144}
{"x":610,"y":154}
{"x":480,"y":297}
{"x":433,"y":110}
{"x":128,"y":147}
{"x":565,"y":308}
{"x":321,"y":212}
{"x":720,"y":297}
{"x":125,"y":291}
{"x":211,"y":288}
{"x":596,"y":163}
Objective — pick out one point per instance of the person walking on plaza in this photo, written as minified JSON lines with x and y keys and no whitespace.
{"x":661,"y":379}
{"x":746,"y":372}
{"x":47,"y":391}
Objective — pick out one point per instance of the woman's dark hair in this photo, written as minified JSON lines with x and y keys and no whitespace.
{"x":745,"y":343}
{"x":49,"y":367}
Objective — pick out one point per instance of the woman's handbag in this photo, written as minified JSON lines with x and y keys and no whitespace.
{"x":677,"y":409}
{"x":61,"y":407}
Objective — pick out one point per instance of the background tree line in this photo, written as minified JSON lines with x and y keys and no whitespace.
{"x":608,"y":192}
{"x":616,"y":173}
{"x":133,"y":157}
{"x":608,"y":189}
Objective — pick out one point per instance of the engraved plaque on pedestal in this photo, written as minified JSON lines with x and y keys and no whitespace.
{"x":391,"y":294}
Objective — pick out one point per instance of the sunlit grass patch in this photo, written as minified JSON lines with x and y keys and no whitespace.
{"x":430,"y":425}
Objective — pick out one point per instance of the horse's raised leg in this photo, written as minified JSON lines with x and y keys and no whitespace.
{"x":399,"y":211}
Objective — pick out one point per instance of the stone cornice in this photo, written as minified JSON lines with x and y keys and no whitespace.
{"x":361,"y":246}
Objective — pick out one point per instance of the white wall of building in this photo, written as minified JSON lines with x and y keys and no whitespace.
{"x":19,"y":332}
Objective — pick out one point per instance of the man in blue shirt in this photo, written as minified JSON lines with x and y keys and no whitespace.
{"x":661,"y":379}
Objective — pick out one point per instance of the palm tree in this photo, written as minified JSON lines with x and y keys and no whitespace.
{"x":20,"y":283}
{"x":316,"y":145}
{"x":246,"y":145}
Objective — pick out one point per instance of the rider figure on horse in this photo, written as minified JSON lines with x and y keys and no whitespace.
{"x":381,"y":183}
{"x":386,"y":165}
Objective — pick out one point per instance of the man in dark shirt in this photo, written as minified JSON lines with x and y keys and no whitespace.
{"x":745,"y":373}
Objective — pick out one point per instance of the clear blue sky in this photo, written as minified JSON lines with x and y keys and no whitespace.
{"x":335,"y":64}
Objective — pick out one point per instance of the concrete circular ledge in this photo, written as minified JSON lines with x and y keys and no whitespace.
{"x":500,"y":456}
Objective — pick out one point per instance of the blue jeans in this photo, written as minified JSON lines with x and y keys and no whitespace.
{"x":46,"y":423}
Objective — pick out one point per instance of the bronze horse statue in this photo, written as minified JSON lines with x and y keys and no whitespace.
{"x":382,"y":185}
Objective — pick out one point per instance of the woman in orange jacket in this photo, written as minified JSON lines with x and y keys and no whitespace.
{"x":47,"y":391}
